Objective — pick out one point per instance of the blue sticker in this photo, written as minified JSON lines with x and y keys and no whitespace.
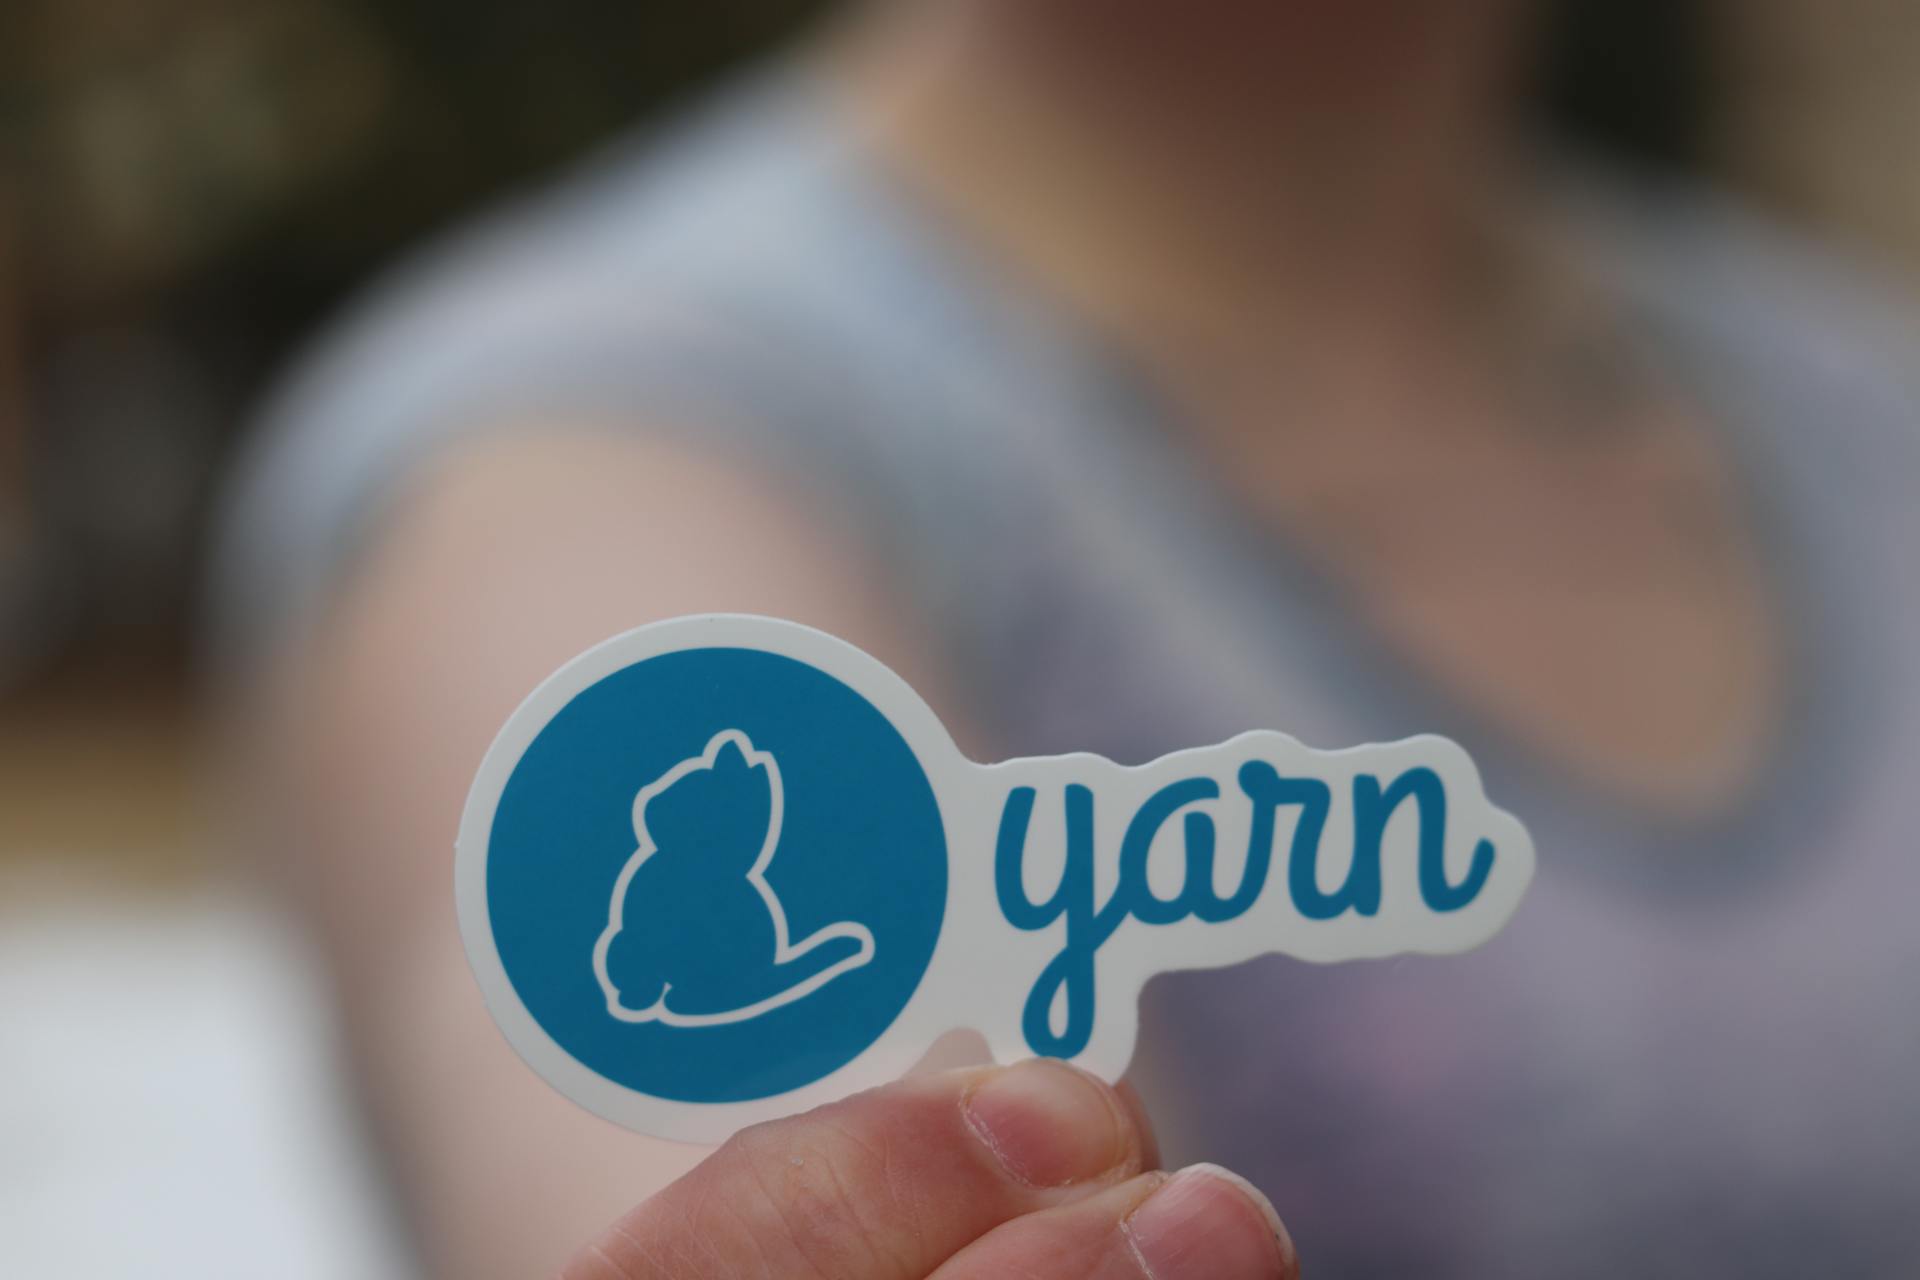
{"x":721,"y":869}
{"x":716,"y":875}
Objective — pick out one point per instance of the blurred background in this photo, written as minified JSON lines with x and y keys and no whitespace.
{"x":187,"y":187}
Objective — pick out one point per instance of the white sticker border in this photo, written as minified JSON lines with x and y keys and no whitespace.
{"x":918,"y":1024}
{"x":982,"y":967}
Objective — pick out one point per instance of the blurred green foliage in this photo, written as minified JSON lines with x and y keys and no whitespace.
{"x":290,"y":144}
{"x":187,"y":186}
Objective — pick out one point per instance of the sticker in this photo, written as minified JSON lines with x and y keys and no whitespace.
{"x":726,"y":868}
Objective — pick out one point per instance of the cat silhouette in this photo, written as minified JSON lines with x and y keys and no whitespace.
{"x":695,"y":935}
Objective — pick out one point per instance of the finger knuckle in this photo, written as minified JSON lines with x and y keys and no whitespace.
{"x":654,"y":1246}
{"x":833,"y":1198}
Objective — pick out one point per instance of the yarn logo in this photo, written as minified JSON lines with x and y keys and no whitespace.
{"x":703,"y":874}
{"x":708,"y":829}
{"x":722,"y":869}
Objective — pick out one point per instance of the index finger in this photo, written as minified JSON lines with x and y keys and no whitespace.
{"x":885,"y":1185}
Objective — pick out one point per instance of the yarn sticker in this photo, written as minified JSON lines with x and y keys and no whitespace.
{"x":725,"y":868}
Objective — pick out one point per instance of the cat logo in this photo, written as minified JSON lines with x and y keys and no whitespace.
{"x":696,"y":936}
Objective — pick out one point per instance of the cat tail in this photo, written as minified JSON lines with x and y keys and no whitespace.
{"x":804,"y":966}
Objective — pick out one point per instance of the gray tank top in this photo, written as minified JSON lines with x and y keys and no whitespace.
{"x":1695,"y":1050}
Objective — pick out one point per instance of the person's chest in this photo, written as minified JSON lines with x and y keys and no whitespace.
{"x":1595,"y":592}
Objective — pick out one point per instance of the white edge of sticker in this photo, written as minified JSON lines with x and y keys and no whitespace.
{"x":982,"y":967}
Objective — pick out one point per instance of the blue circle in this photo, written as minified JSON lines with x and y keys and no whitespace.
{"x":860,"y":842}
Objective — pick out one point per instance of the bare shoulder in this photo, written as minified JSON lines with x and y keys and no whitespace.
{"x":518,"y":549}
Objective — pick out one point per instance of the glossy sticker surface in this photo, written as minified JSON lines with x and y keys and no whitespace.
{"x":726,"y":868}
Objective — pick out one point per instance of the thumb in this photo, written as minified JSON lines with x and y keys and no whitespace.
{"x":886,"y":1185}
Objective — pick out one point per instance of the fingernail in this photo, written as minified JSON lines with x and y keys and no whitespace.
{"x":1048,"y":1123}
{"x":1207,"y":1223}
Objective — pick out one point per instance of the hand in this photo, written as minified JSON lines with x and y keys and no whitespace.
{"x":1032,"y":1172}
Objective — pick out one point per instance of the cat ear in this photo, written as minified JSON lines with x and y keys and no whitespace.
{"x":730,"y":759}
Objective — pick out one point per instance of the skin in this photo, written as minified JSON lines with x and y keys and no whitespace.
{"x":1264,"y":205}
{"x":1525,"y":512}
{"x":918,"y":1179}
{"x":1035,"y":1170}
